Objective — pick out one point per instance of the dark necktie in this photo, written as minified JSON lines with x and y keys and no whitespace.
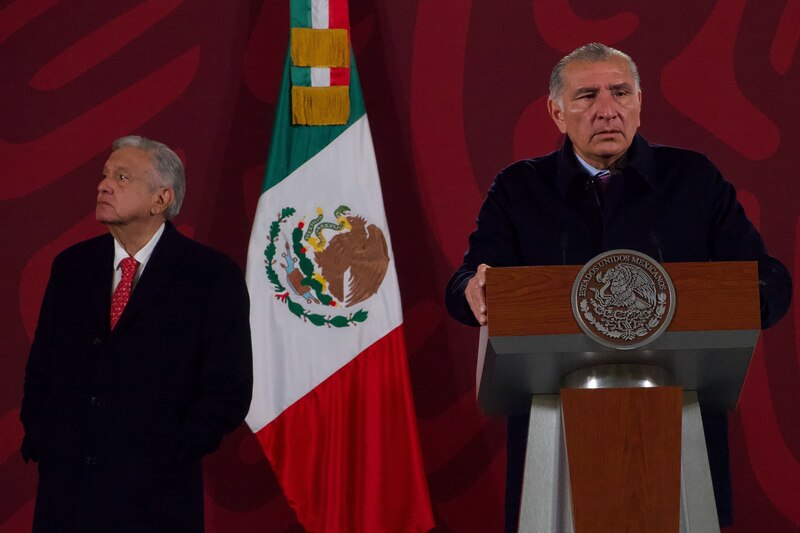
{"x":600,"y":182}
{"x":602,"y":179}
{"x":123,"y":291}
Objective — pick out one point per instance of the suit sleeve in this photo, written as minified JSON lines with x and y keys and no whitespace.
{"x":493,"y":242}
{"x":38,"y":377}
{"x":734,"y":238}
{"x":226,"y":377}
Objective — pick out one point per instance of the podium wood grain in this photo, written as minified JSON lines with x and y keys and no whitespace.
{"x":709,"y":296}
{"x":624,"y":454}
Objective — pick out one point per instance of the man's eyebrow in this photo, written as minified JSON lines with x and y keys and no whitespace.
{"x":587,"y":90}
{"x":622,"y":85}
{"x":117,"y":169}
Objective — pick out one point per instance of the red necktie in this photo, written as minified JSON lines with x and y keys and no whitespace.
{"x":123,"y":291}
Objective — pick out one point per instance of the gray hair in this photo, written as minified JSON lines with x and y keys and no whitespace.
{"x":591,"y":53}
{"x":168,"y":166}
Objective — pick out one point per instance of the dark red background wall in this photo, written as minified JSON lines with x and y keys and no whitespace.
{"x":455,"y":90}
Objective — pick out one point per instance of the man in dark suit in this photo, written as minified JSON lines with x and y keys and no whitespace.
{"x":609,"y":188}
{"x":141,"y":360}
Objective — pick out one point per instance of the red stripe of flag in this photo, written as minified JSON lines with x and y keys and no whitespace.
{"x":337,"y":14}
{"x":347,"y":454}
{"x":340,"y":76}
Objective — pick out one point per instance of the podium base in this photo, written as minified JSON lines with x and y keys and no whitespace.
{"x":546,"y":505}
{"x":698,"y":508}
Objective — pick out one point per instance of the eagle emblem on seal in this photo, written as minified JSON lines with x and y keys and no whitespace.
{"x":323,"y":268}
{"x":626,"y":286}
{"x":623,"y":299}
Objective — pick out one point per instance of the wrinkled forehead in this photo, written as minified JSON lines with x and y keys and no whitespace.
{"x":131,"y":159}
{"x":609,"y":72}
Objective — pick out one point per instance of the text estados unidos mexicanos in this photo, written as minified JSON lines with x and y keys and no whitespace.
{"x":621,"y":258}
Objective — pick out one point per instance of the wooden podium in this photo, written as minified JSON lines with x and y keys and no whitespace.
{"x":616,"y":441}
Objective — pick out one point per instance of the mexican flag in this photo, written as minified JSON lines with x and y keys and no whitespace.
{"x":332,"y":405}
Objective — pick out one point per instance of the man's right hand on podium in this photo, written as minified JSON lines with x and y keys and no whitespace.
{"x":476,"y":294}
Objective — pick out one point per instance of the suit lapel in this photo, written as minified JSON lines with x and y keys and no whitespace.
{"x":162,"y":267}
{"x":99,"y":272}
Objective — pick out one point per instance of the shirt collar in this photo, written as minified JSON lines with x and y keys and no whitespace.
{"x":589,"y":168}
{"x":638,"y":159}
{"x":143,"y":255}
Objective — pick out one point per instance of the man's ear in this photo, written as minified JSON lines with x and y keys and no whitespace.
{"x":640,"y":109}
{"x":557,"y":114}
{"x":162,"y":201}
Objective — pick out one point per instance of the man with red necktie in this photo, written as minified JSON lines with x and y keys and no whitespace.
{"x":141,"y":360}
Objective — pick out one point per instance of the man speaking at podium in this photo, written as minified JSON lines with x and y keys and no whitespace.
{"x":607,"y":188}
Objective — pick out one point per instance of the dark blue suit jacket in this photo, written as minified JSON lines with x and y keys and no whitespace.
{"x":669,"y":203}
{"x":118,"y":421}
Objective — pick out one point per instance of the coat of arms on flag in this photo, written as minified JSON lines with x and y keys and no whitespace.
{"x":323,"y":268}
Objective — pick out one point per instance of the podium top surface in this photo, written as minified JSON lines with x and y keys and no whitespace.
{"x":537,"y":300}
{"x":533,"y":340}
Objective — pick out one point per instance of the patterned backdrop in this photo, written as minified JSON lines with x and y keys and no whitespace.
{"x":455,"y":90}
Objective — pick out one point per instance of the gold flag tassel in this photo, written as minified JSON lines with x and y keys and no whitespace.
{"x":320,"y":106}
{"x":320,"y":48}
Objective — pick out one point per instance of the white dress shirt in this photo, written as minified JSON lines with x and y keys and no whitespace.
{"x":142,"y":256}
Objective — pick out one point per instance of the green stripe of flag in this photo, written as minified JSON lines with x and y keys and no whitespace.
{"x":301,"y":76}
{"x":292,"y":145}
{"x":300,"y":13}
